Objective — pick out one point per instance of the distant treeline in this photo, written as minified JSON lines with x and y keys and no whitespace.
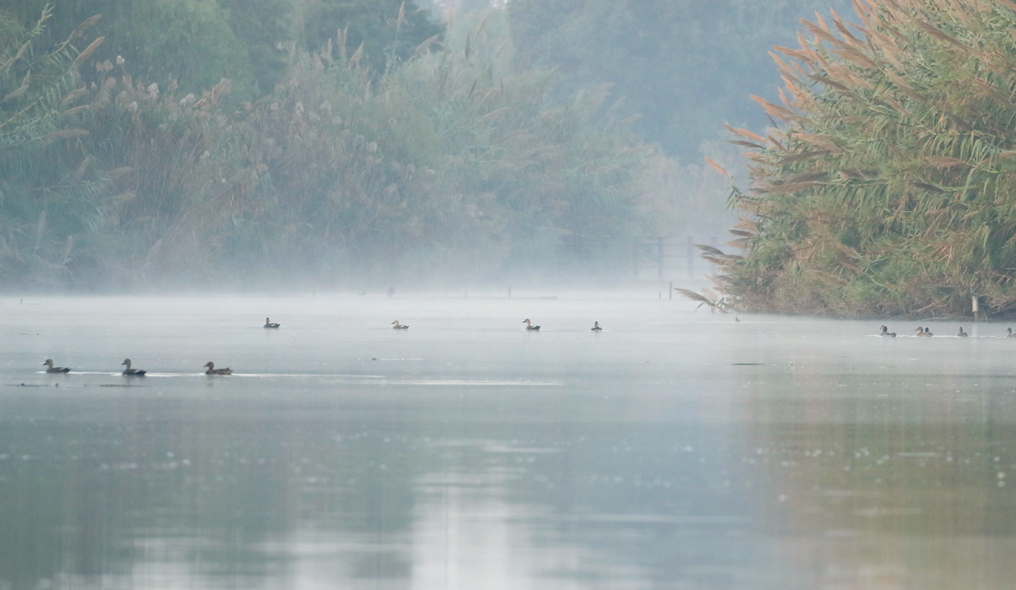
{"x":685,"y":66}
{"x":229,"y":143}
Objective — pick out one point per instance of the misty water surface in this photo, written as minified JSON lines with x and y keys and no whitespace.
{"x":672,"y":450}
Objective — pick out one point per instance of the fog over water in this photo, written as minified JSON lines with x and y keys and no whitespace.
{"x":307,"y":149}
{"x":673,"y":449}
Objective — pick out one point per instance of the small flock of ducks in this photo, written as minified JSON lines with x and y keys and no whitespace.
{"x":922,"y":332}
{"x":926,"y":333}
{"x":529,"y":326}
{"x":129,"y":372}
{"x":269,"y":324}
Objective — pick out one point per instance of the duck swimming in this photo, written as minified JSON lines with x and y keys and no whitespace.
{"x":962,"y":334}
{"x":397,"y":326}
{"x":132,"y":372}
{"x":596,"y":327}
{"x":213,"y":371}
{"x":886,"y":332}
{"x":1011,"y":333}
{"x":529,"y":325}
{"x":923,"y":332}
{"x":52,"y":369}
{"x":270,"y":324}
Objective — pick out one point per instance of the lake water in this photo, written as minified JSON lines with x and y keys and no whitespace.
{"x":673,"y":449}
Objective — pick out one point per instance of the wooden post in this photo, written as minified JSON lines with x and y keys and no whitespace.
{"x":975,"y":307}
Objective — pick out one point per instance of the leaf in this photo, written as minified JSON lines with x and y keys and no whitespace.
{"x":118,"y":172}
{"x":74,"y":111}
{"x":945,"y":162}
{"x":783,"y":189}
{"x":802,"y":156}
{"x":928,"y":187}
{"x":17,"y":93}
{"x":82,"y":168}
{"x":40,"y":225}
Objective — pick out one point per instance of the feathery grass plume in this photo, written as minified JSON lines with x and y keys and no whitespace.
{"x":85,"y":25}
{"x":21,"y":90}
{"x":91,"y":49}
{"x":708,"y":298}
{"x":719,"y":168}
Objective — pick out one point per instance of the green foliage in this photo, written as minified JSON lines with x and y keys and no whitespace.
{"x":186,"y":41}
{"x":189,"y":42}
{"x":48,"y":190}
{"x":267,"y":29}
{"x":198,"y":42}
{"x":889,"y":187}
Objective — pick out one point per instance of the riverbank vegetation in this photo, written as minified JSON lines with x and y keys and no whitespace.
{"x":887,"y":186}
{"x":419,"y":158}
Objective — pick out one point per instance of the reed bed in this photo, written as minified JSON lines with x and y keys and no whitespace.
{"x":886,"y":184}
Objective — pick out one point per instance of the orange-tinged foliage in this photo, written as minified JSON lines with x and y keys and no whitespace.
{"x":893,"y":174}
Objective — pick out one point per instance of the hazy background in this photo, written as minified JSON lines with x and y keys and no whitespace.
{"x":357,"y":144}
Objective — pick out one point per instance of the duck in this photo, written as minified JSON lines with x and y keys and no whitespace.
{"x":927,"y":332}
{"x":886,"y":332}
{"x":596,"y":327}
{"x":213,"y":371}
{"x":270,"y":324}
{"x":529,"y":325}
{"x":52,"y":369}
{"x":132,"y":372}
{"x":397,"y":326}
{"x":923,"y":332}
{"x":1011,"y":333}
{"x":962,"y":334}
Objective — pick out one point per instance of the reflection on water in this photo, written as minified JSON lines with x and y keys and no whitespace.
{"x":673,"y":450}
{"x":888,"y":481}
